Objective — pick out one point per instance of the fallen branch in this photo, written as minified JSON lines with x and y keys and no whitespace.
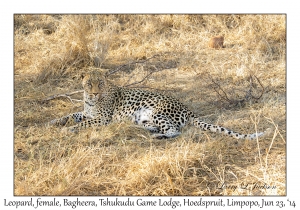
{"x":219,"y":86}
{"x":142,"y":80}
{"x":262,"y":92}
{"x":66,"y":95}
{"x":248,"y":93}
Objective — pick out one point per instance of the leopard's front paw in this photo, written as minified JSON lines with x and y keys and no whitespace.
{"x":53,"y":122}
{"x":59,"y":122}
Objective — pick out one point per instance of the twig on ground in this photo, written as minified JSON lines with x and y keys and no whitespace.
{"x":225,"y":97}
{"x":66,"y":95}
{"x":142,"y":80}
{"x":263,"y":88}
{"x":248,"y":96}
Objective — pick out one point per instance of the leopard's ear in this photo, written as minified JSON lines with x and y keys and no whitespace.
{"x":106,"y":74}
{"x":102,"y":73}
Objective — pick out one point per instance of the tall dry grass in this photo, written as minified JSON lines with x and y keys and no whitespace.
{"x":51,"y":51}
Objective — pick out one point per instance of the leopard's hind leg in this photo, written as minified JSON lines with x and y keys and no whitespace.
{"x":162,"y":127}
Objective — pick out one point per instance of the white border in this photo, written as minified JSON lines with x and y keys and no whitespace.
{"x":154,"y":6}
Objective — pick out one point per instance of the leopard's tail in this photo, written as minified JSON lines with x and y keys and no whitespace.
{"x":215,"y":128}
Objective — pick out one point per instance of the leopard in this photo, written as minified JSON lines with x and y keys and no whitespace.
{"x":162,"y":115}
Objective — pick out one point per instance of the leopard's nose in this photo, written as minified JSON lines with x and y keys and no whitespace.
{"x":95,"y":94}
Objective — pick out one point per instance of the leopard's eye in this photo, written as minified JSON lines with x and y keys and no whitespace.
{"x":100,"y":83}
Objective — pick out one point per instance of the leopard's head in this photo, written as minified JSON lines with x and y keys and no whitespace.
{"x":94,"y":84}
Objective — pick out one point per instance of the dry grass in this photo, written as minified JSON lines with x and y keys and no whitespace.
{"x":51,"y":51}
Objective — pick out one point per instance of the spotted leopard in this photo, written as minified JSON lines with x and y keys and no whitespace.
{"x":162,"y":115}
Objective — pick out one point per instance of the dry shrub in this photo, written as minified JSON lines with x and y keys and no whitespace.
{"x":71,"y":50}
{"x":50,"y":52}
